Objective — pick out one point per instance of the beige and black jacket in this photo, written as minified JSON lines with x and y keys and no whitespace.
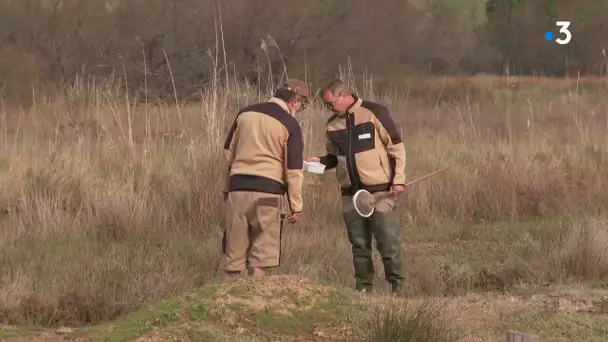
{"x":264,"y":151}
{"x":365,"y":147}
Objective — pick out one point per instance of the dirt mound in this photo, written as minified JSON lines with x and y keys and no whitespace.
{"x":285,"y":293}
{"x":291,"y":308}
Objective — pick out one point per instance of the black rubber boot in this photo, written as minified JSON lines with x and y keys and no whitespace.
{"x":360,"y":237}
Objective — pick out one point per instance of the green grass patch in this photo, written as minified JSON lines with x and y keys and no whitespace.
{"x":10,"y":331}
{"x":568,"y":325}
{"x":166,"y":313}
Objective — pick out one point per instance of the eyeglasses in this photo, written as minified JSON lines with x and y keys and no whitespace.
{"x":331,"y":105}
{"x":302,"y":104}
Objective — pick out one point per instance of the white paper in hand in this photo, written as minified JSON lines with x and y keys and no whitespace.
{"x":314,"y":167}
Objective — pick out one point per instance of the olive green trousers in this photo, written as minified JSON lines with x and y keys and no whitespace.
{"x":384,"y":226}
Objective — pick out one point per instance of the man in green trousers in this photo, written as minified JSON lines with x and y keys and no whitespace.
{"x":365,"y":146}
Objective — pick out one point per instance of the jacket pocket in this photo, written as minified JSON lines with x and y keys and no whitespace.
{"x":384,"y":165}
{"x":269,"y":202}
{"x":364,"y":137}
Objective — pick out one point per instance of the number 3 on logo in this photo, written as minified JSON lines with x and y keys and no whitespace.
{"x":563,"y":25}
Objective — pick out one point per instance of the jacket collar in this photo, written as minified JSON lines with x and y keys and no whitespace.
{"x":354,"y":105}
{"x":280,"y":102}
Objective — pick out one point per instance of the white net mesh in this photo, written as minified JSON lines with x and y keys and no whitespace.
{"x":364,"y":202}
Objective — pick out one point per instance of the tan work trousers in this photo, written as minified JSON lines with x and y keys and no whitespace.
{"x":253,"y":230}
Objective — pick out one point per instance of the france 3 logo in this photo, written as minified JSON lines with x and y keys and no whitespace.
{"x":564,"y":35}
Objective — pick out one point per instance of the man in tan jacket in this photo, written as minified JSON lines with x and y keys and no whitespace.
{"x":365,"y":146}
{"x":264,"y":155}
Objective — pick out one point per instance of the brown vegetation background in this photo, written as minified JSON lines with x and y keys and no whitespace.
{"x":50,"y":42}
{"x":108,"y":187}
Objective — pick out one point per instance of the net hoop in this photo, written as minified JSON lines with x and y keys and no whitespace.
{"x":355,"y":197}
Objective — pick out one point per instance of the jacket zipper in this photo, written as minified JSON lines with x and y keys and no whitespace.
{"x":351,"y":170}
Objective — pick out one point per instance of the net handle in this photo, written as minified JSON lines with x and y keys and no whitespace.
{"x":428,"y":175}
{"x":434,"y":173}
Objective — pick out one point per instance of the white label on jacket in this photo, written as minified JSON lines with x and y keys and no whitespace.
{"x":365,"y":136}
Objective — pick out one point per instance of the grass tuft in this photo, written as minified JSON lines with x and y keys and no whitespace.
{"x":400,"y":324}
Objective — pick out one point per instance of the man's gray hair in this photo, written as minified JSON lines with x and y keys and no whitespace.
{"x":335,"y":86}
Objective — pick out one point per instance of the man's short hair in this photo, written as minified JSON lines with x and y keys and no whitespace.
{"x":336,"y":85}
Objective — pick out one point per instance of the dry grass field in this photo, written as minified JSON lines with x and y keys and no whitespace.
{"x":107,"y":207}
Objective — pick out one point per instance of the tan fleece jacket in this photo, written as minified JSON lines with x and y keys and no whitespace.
{"x":264,"y":152}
